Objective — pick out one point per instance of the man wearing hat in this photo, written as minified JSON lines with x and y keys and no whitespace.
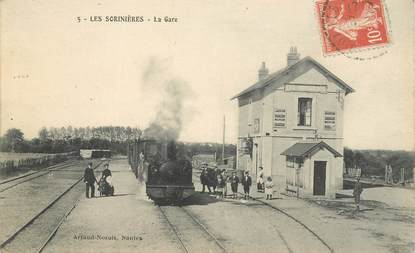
{"x":89,"y":179}
{"x":246,"y":182}
{"x":204,"y":178}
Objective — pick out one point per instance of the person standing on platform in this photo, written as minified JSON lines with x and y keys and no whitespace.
{"x":225,"y":181}
{"x":216,"y":174}
{"x":356,"y":193}
{"x":204,"y":180}
{"x":212,"y":179}
{"x":269,"y":185}
{"x":260,"y":180}
{"x":234,"y":184}
{"x":90,"y":180}
{"x":221,"y":185}
{"x":246,"y":182}
{"x":141,"y":167}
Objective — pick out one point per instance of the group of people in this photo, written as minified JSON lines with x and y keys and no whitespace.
{"x":211,"y":177}
{"x":218,"y":179}
{"x":266,"y":187}
{"x":105,"y":186}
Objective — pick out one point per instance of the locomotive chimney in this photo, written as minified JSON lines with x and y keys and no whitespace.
{"x":171,"y":151}
{"x":292,"y":56}
{"x":262,"y":72}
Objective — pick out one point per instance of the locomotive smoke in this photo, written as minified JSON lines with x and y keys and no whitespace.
{"x":173,"y":95}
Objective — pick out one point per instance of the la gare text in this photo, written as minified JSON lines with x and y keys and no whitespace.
{"x":129,"y":19}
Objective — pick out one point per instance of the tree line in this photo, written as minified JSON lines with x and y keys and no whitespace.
{"x":66,"y":139}
{"x":212,"y":148}
{"x":373,"y":162}
{"x":110,"y":133}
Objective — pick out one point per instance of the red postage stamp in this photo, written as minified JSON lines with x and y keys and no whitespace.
{"x":350,"y":24}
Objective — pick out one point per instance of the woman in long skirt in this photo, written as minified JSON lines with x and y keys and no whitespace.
{"x":260,"y":180}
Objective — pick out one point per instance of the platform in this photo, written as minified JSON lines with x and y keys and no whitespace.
{"x":108,"y":224}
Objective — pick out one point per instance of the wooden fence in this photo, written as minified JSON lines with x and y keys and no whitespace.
{"x":47,"y":159}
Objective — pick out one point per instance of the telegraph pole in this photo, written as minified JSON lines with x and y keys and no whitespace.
{"x":223,"y":140}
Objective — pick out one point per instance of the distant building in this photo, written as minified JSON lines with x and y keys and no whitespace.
{"x":94,"y":153}
{"x":200,"y":159}
{"x":228,"y":163}
{"x":291,"y":124}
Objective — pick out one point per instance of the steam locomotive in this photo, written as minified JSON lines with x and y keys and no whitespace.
{"x":164,"y":167}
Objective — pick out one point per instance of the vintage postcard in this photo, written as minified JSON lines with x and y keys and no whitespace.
{"x":207,"y":126}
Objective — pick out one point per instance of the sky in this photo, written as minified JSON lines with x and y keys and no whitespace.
{"x":56,"y":71}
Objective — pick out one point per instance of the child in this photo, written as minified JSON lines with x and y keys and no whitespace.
{"x":246,"y":182}
{"x":268,"y":188}
{"x":234,"y":184}
{"x":221,"y":186}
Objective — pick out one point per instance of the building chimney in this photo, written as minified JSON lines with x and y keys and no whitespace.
{"x":292,"y":56}
{"x":262,"y":72}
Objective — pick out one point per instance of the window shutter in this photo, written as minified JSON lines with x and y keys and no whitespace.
{"x":279,"y":119}
{"x":329,"y":121}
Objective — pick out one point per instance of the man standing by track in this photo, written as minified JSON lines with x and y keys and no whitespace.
{"x":89,"y":179}
{"x":246,"y":182}
{"x":356,"y":193}
{"x":204,"y":179}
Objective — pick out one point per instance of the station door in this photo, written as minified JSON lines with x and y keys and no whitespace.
{"x":319,"y":178}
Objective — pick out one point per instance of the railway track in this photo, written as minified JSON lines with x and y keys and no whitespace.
{"x":326,"y":245}
{"x":10,"y":183}
{"x":191,"y":234}
{"x":38,"y":225}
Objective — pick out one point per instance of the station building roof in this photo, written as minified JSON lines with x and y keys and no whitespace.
{"x":303,"y":149}
{"x":276,"y":75}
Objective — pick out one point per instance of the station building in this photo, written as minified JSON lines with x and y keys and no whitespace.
{"x":291,"y":124}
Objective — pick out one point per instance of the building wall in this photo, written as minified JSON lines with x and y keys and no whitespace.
{"x":250,"y":125}
{"x":271,"y":141}
{"x":326,"y":96}
{"x":250,"y":109}
{"x":307,"y":174}
{"x":279,"y":170}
